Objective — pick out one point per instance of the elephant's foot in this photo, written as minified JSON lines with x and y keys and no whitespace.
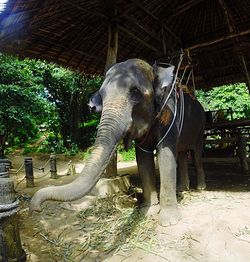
{"x":179,"y":196}
{"x":150,"y":211}
{"x":169,"y":216}
{"x":201,"y":186}
{"x":184,"y":187}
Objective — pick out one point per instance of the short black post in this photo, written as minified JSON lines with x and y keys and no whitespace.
{"x":10,"y":243}
{"x":28,"y":163}
{"x":53,"y":170}
{"x":242,"y":151}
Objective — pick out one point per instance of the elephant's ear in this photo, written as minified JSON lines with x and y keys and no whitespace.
{"x":164,"y":76}
{"x":95,"y":102}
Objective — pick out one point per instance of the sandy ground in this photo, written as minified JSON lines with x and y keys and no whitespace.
{"x":215,"y":223}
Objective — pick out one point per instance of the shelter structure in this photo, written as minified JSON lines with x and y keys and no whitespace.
{"x":90,"y":36}
{"x":215,"y":33}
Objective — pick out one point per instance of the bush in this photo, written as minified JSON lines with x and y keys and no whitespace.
{"x":235,"y":97}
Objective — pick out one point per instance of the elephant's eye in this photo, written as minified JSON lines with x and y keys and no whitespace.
{"x":136,"y":94}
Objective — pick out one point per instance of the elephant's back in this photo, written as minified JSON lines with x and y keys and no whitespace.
{"x":193,"y":124}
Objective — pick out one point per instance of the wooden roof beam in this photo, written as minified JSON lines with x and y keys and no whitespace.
{"x":228,"y":17}
{"x":139,"y":40}
{"x":166,"y":28}
{"x":218,"y":40}
{"x":183,"y":8}
{"x":232,"y":29}
{"x":143,"y":27}
{"x":84,"y":10}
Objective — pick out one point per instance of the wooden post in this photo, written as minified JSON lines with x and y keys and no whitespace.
{"x":53,"y":169}
{"x":232,"y":29}
{"x":111,"y":169}
{"x":242,"y":144}
{"x":112,"y":35}
{"x":246,"y":73}
{"x":28,"y":164}
{"x":10,"y":243}
{"x":1,"y":146}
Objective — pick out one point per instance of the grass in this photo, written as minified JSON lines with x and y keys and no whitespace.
{"x":113,"y":224}
{"x":127,"y":155}
{"x":60,"y":250}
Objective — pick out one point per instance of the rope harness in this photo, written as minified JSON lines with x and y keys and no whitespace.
{"x":177,"y":90}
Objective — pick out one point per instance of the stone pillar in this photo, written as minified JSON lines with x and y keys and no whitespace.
{"x":3,"y":171}
{"x":6,"y":162}
{"x":10,"y":243}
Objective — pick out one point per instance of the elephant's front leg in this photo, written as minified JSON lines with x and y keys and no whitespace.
{"x":146,"y":167}
{"x":169,"y":212}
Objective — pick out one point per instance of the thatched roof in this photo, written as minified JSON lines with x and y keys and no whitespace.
{"x":75,"y":32}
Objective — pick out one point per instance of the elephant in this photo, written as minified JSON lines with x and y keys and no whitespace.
{"x":137,"y":104}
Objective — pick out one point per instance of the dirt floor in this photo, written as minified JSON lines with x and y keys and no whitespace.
{"x":215,"y":223}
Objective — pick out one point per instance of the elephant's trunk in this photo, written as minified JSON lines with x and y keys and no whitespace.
{"x":113,"y":126}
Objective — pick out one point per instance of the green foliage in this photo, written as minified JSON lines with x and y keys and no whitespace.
{"x":235,"y":97}
{"x":70,"y":91}
{"x":35,"y":93}
{"x":23,"y":103}
{"x":128,"y":155}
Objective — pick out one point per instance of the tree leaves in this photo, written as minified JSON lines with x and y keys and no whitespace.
{"x":234,"y":96}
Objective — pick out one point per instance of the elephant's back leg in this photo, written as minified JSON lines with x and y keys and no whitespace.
{"x":197,"y":159}
{"x":182,"y":171}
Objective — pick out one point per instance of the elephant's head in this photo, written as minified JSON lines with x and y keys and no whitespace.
{"x":127,"y":101}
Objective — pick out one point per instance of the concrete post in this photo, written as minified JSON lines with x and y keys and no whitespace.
{"x":53,"y":169}
{"x":6,"y":162}
{"x":28,"y":163}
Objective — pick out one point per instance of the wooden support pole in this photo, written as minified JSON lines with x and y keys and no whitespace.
{"x":112,"y":45}
{"x":163,"y":40}
{"x":245,"y":70}
{"x":242,"y":144}
{"x":2,"y":145}
{"x":232,"y":29}
{"x":111,"y":169}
